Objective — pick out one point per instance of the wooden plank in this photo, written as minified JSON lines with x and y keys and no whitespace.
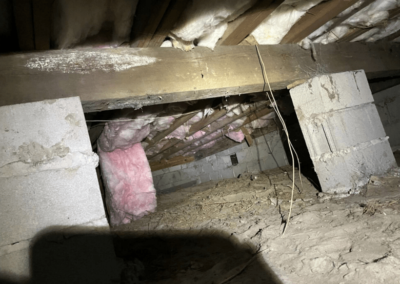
{"x":193,"y":129}
{"x":391,"y":37}
{"x":254,"y":116}
{"x":177,"y":123}
{"x":338,"y":21}
{"x":356,"y":32}
{"x":247,"y":135}
{"x":175,"y":161}
{"x":147,"y":18}
{"x":108,"y":79}
{"x":206,"y":121}
{"x":41,"y":23}
{"x":171,"y":16}
{"x":24,"y":24}
{"x":227,"y":143}
{"x":241,"y":27}
{"x":316,"y":17}
{"x":214,"y":127}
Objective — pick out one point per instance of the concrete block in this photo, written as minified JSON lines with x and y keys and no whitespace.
{"x":157,"y":173}
{"x":331,"y":92}
{"x":175,"y":168}
{"x":226,"y":160}
{"x":210,"y":158}
{"x":47,"y":176}
{"x":48,"y":127}
{"x":219,"y":165}
{"x":215,"y":176}
{"x":342,"y":130}
{"x":226,"y":173}
{"x":254,"y":166}
{"x":205,"y":178}
{"x":239,"y":169}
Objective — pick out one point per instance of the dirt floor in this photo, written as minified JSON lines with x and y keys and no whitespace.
{"x":232,"y":232}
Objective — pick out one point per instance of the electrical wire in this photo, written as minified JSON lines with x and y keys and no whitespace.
{"x":271,"y":98}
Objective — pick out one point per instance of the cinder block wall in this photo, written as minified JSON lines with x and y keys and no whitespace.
{"x":267,"y":152}
{"x":388,"y":105}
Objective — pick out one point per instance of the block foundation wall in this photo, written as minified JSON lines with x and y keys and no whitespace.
{"x":267,"y":152}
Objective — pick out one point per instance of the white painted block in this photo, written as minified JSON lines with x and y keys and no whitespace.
{"x":342,"y":130}
{"x":47,"y":176}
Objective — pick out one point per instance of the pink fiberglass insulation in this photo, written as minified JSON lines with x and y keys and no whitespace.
{"x":235,"y":136}
{"x":196,"y":135}
{"x":156,"y":148}
{"x":130,"y":192}
{"x":195,"y":118}
{"x":263,"y":121}
{"x":123,"y":134}
{"x":179,"y":133}
{"x":163,"y":123}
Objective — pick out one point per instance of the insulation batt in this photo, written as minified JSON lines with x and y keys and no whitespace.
{"x":205,"y":21}
{"x":235,"y":136}
{"x":75,"y":20}
{"x":370,"y":16}
{"x":273,"y":29}
{"x":130,"y":192}
{"x":123,"y":134}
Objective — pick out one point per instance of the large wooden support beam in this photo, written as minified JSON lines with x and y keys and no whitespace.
{"x":247,"y":22}
{"x":315,"y":18}
{"x":129,"y":77}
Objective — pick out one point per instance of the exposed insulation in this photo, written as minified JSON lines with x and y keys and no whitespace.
{"x":130,"y":193}
{"x":205,"y":21}
{"x":75,"y":20}
{"x":273,"y":29}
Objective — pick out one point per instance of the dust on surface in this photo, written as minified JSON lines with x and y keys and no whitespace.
{"x":330,"y":239}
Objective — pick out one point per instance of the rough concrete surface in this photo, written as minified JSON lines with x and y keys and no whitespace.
{"x":48,"y":182}
{"x":342,"y":129}
{"x":267,"y":152}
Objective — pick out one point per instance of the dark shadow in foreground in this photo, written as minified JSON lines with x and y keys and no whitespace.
{"x":145,"y":257}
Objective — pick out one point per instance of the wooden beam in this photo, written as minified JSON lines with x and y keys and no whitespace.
{"x":42,"y":21}
{"x":316,"y":17}
{"x":241,"y":27}
{"x":108,"y":79}
{"x":227,"y":143}
{"x":171,"y":16}
{"x":193,"y":129}
{"x":214,"y":127}
{"x":147,"y":18}
{"x":175,"y":161}
{"x":24,"y":24}
{"x":340,"y":20}
{"x":206,"y":121}
{"x":391,"y":37}
{"x":247,"y":136}
{"x":177,"y":123}
{"x":356,"y":32}
{"x":254,"y":116}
